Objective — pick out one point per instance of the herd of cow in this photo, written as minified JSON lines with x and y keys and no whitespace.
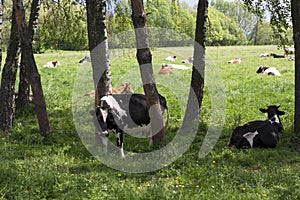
{"x":261,"y":133}
{"x":270,"y":71}
{"x":126,"y":112}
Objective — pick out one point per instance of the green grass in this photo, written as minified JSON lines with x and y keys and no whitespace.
{"x":62,"y":168}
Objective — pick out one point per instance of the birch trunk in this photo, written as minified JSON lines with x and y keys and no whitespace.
{"x":98,"y":46}
{"x":7,"y":90}
{"x":24,"y":87}
{"x":31,"y":68}
{"x":144,"y":58}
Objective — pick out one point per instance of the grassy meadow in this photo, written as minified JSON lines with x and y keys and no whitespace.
{"x":61,"y":167}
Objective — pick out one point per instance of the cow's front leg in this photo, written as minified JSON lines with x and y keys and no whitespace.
{"x":119,"y":136}
{"x":102,"y":137}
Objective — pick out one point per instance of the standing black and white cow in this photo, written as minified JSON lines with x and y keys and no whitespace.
{"x":124,"y":113}
{"x":260,"y":133}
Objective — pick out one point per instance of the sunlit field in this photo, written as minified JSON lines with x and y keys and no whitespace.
{"x":61,"y":167}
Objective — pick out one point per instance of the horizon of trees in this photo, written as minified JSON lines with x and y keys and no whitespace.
{"x":229,"y":23}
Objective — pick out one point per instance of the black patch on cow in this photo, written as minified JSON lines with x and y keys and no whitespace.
{"x":136,"y":110}
{"x":277,"y":56}
{"x":261,"y":69}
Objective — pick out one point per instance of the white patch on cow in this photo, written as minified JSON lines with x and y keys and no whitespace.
{"x":104,"y":114}
{"x":113,"y":104}
{"x":274,"y":119}
{"x":122,"y":152}
{"x":272,"y":70}
{"x":118,"y":137}
{"x":171,"y":58}
{"x":105,"y":133}
{"x":249,"y":136}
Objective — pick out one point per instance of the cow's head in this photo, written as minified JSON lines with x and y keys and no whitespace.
{"x":272,"y":111}
{"x":101,"y":114}
{"x":261,"y":69}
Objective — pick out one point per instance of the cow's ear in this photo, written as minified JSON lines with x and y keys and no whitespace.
{"x":263,"y":110}
{"x":280,"y":112}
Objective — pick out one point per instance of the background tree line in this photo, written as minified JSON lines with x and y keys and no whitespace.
{"x":63,"y":26}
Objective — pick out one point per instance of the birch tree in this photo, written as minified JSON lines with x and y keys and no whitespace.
{"x":144,"y":58}
{"x":31,"y":67}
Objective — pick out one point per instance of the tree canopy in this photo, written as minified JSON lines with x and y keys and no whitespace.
{"x":62,"y":24}
{"x":223,"y":30}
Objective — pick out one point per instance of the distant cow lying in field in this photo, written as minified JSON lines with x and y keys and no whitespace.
{"x":260,"y":133}
{"x":271,"y":71}
{"x":292,"y":58}
{"x":124,"y":89}
{"x":289,"y":51}
{"x":124,"y":113}
{"x":189,"y":60}
{"x":277,"y":56}
{"x":171,"y":58}
{"x":174,"y":66}
{"x":165,"y":69}
{"x":85,"y":59}
{"x":52,"y":64}
{"x":235,"y":61}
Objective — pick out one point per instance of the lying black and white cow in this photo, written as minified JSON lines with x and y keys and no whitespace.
{"x":171,"y":58}
{"x":271,"y":71}
{"x":85,"y":59}
{"x":189,"y":60}
{"x":124,"y":113}
{"x":260,"y":133}
{"x":289,"y":51}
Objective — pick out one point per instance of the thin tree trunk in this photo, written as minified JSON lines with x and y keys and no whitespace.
{"x":296,"y":30}
{"x":197,"y":82}
{"x":7,"y":90}
{"x":144,"y":58}
{"x":98,"y":46}
{"x":22,"y":100}
{"x":24,"y":87}
{"x":1,"y":22}
{"x":34,"y":77}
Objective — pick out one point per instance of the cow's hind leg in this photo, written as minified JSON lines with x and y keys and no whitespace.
{"x":119,"y":136}
{"x":102,"y":140}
